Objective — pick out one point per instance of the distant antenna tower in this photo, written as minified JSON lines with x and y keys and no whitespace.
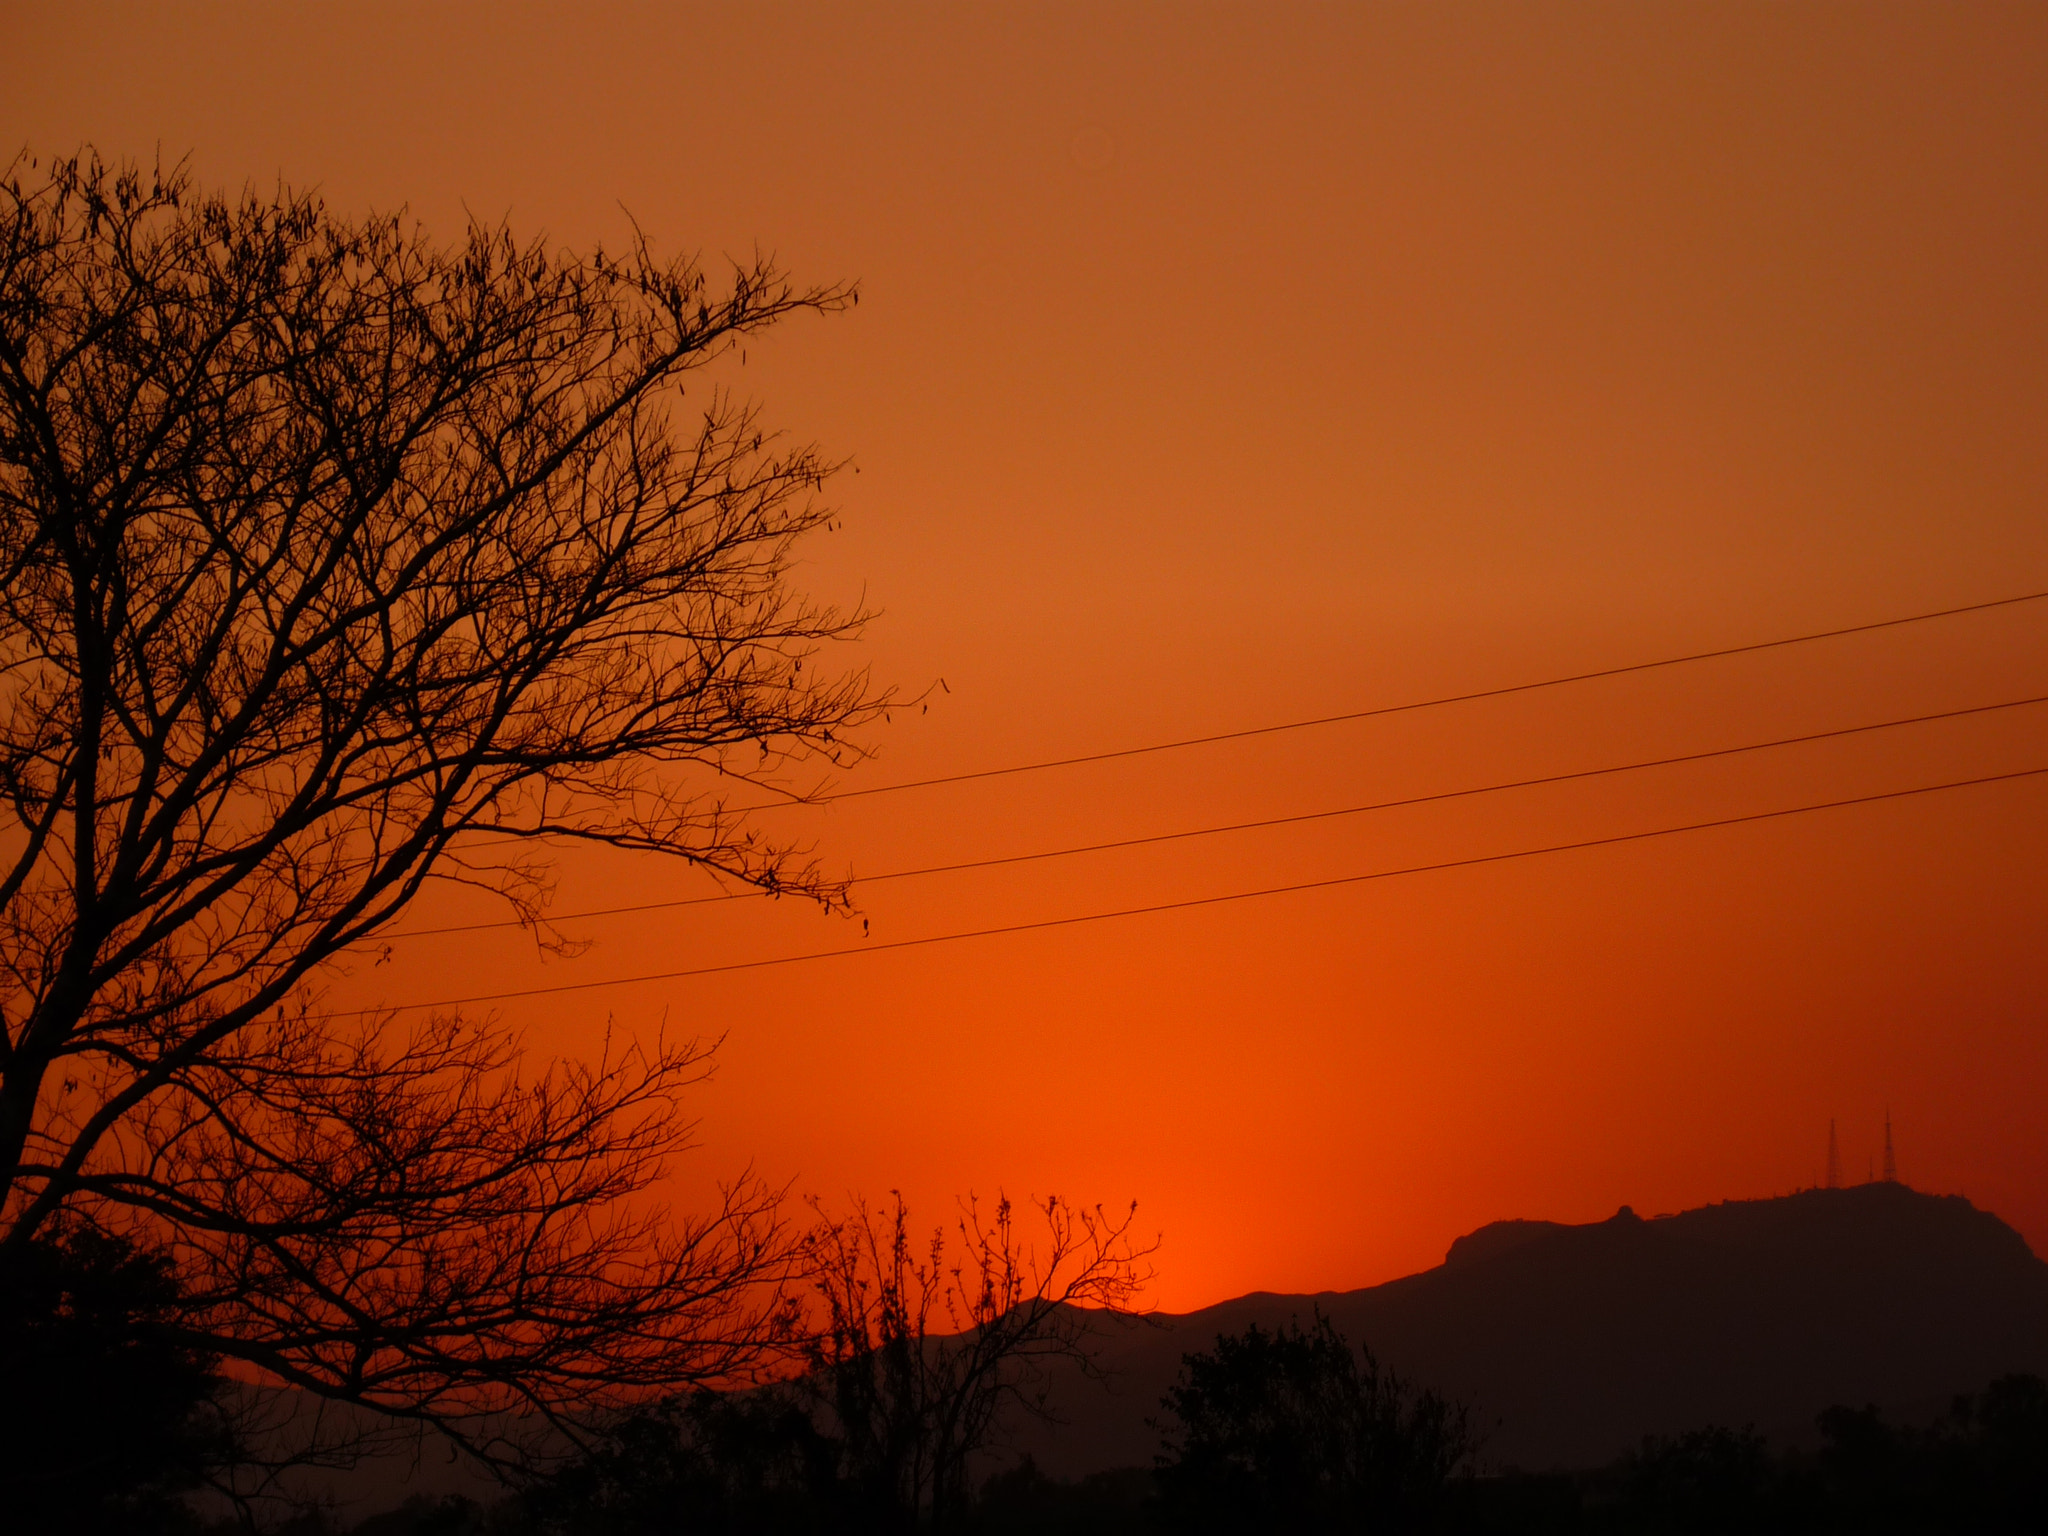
{"x":1834,"y":1158}
{"x":1891,"y":1161}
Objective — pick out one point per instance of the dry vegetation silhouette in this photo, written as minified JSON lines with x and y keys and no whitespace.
{"x":920,"y":1347}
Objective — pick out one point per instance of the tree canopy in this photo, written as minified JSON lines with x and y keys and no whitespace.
{"x":334,"y":561}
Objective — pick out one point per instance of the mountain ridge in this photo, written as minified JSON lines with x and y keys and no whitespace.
{"x":1572,"y":1341}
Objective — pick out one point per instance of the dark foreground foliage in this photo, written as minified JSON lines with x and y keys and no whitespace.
{"x":1293,"y":1430}
{"x":1980,"y":1468}
{"x":761,"y":1464}
{"x":1270,"y":1431}
{"x":105,"y":1413}
{"x":707,"y":1463}
{"x":1363,"y":1454}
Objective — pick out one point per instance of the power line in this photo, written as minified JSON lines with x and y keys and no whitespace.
{"x":1251,"y":826}
{"x":1200,"y":901}
{"x":1397,"y":709}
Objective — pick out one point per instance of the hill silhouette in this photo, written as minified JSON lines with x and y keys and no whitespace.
{"x":1573,"y":1342}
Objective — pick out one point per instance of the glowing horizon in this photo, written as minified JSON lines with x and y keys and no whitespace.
{"x":1219,"y":371}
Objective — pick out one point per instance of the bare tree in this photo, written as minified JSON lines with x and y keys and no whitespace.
{"x":336,"y":561}
{"x":919,"y":1352}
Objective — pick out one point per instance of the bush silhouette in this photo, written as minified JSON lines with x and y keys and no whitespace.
{"x":705,"y":1463}
{"x":1706,"y":1480}
{"x":105,"y":1413}
{"x":1293,"y":1430}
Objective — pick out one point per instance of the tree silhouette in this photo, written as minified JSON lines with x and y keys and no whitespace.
{"x":914,"y":1351}
{"x":105,"y":1415}
{"x":1291,"y":1430}
{"x":922,"y":1346}
{"x":733,"y":1464}
{"x":1708,"y":1479}
{"x":334,"y":561}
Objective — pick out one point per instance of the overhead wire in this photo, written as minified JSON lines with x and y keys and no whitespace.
{"x":1190,"y":903}
{"x":1474,"y":696}
{"x":1262,"y":823}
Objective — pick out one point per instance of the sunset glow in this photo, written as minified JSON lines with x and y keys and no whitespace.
{"x":1227,"y":368}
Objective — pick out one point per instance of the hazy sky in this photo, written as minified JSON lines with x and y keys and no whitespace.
{"x":1223,"y":366}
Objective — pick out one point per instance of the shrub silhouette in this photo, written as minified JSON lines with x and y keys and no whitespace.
{"x":1706,"y":1480}
{"x":105,"y":1412}
{"x":702,"y":1463}
{"x":913,"y":1354}
{"x":1983,"y":1467}
{"x":1292,"y":1430}
{"x":921,"y":1348}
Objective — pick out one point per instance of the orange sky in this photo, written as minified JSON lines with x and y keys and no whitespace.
{"x":1217,"y":367}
